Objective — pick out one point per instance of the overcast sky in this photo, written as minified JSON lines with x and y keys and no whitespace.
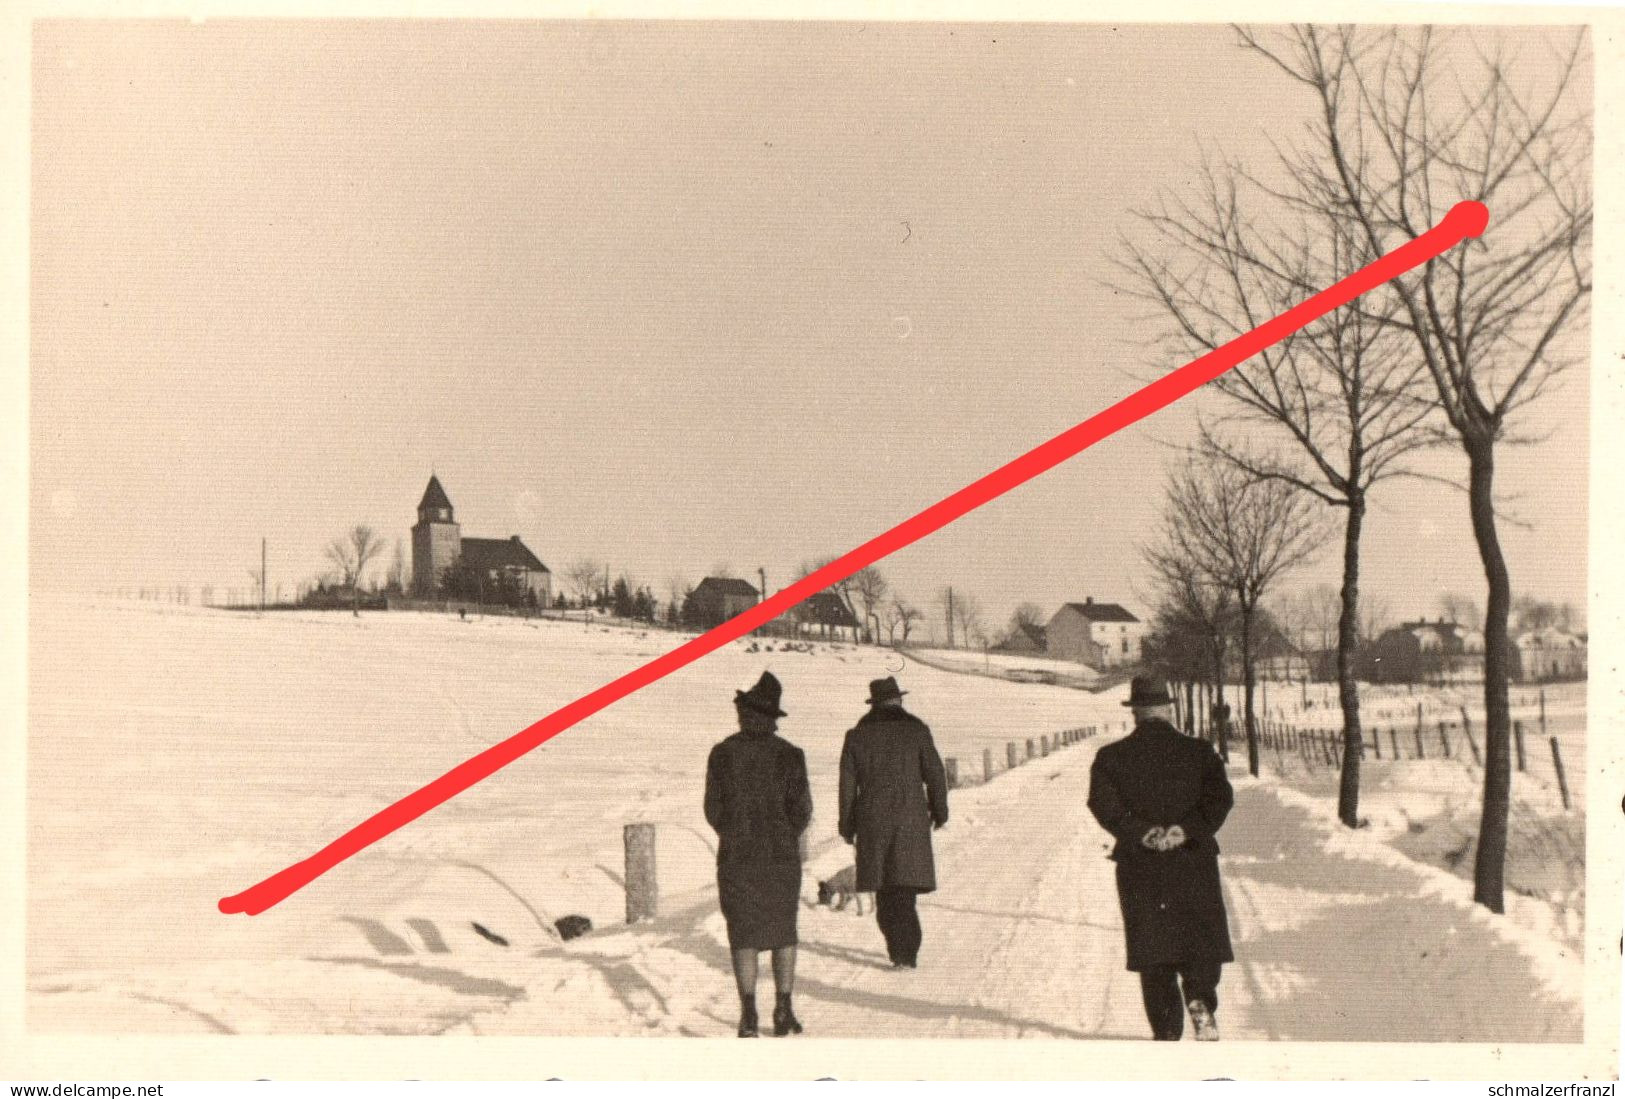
{"x":677,"y":296}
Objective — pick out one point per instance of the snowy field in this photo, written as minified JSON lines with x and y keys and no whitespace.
{"x":1429,"y":808}
{"x":1005,"y":662}
{"x":180,"y":754}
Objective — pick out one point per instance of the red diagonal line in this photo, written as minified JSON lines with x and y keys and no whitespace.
{"x":1465,"y":219}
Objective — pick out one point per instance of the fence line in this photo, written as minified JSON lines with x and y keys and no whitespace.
{"x":1323,"y":747}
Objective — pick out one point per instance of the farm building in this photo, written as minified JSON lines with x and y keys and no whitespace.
{"x":717,"y":599}
{"x":826,"y":613}
{"x":1027,"y":638}
{"x":1546,"y":654}
{"x":1101,"y":635}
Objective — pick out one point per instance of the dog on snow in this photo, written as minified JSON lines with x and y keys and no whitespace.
{"x":839,"y":889}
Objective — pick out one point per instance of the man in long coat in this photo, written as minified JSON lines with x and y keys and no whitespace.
{"x":1163,"y":796}
{"x":893,"y":792}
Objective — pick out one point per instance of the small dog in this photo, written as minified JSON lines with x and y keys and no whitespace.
{"x":841,"y":888}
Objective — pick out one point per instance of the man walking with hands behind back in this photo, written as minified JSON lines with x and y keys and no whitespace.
{"x":1163,"y":796}
{"x":893,"y":791}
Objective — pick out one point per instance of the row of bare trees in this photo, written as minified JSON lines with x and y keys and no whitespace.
{"x":1227,"y":538}
{"x":1406,"y":122}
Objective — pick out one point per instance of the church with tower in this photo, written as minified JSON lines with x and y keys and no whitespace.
{"x":438,"y":543}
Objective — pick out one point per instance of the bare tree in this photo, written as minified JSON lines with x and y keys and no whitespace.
{"x":907,"y":615}
{"x":583,"y":576}
{"x":968,"y":617}
{"x":1530,"y":613}
{"x":870,"y":586}
{"x":1242,"y":533}
{"x":397,"y":568}
{"x":1375,"y":617}
{"x":1193,"y":600}
{"x":1410,"y":121}
{"x":1345,"y":399}
{"x":1024,"y":620}
{"x":677,"y":589}
{"x":351,"y":554}
{"x":1456,"y":607}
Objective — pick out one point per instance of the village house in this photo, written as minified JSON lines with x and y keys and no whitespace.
{"x":717,"y":599}
{"x":438,"y":544}
{"x":1100,"y":635}
{"x":1424,"y":652}
{"x":1027,"y":639}
{"x":826,"y":613}
{"x":1546,"y":654}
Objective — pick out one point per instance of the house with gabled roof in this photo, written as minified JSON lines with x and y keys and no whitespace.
{"x":1025,"y":637}
{"x":716,"y":600}
{"x":1548,"y":653}
{"x":825,"y":613}
{"x":1100,"y":635}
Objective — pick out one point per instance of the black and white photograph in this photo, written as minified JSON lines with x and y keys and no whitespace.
{"x":495,"y":559}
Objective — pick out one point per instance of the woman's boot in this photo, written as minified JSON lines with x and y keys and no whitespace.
{"x":784,"y":1019}
{"x":747,"y":1017}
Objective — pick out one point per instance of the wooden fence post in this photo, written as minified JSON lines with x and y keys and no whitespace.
{"x":1421,"y":753}
{"x":1543,"y":711}
{"x":987,"y":764}
{"x":1043,"y":745}
{"x":1376,"y":742}
{"x":1393,"y":736}
{"x":1473,"y":744}
{"x":1010,"y":754}
{"x":1562,"y":779}
{"x":951,"y":765}
{"x":1517,"y":737}
{"x":1444,"y":738}
{"x":642,"y":885}
{"x":1031,"y":748}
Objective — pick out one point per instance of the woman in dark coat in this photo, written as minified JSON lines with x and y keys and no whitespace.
{"x":758,"y":800}
{"x":893,"y":792}
{"x":1163,"y":796}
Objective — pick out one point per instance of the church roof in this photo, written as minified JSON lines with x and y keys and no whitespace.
{"x":434,"y":496}
{"x":487,"y":554}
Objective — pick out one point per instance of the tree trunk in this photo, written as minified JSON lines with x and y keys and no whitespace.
{"x":1492,"y":830}
{"x":1348,"y":640}
{"x":1247,"y":688}
{"x":1215,"y":700}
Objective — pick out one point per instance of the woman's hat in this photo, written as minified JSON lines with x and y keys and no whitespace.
{"x":884,"y":690}
{"x":764,"y":697}
{"x":1146,"y":692}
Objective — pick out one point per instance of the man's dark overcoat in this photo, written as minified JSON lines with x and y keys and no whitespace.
{"x":1173,"y":909}
{"x":893,"y":790}
{"x":758,"y":800}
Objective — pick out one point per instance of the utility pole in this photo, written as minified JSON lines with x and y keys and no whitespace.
{"x":950,"y":616}
{"x":262,"y":575}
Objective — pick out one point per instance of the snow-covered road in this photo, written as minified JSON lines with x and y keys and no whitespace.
{"x":1336,"y":940}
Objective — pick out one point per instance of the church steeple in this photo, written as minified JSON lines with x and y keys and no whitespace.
{"x":435,"y":507}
